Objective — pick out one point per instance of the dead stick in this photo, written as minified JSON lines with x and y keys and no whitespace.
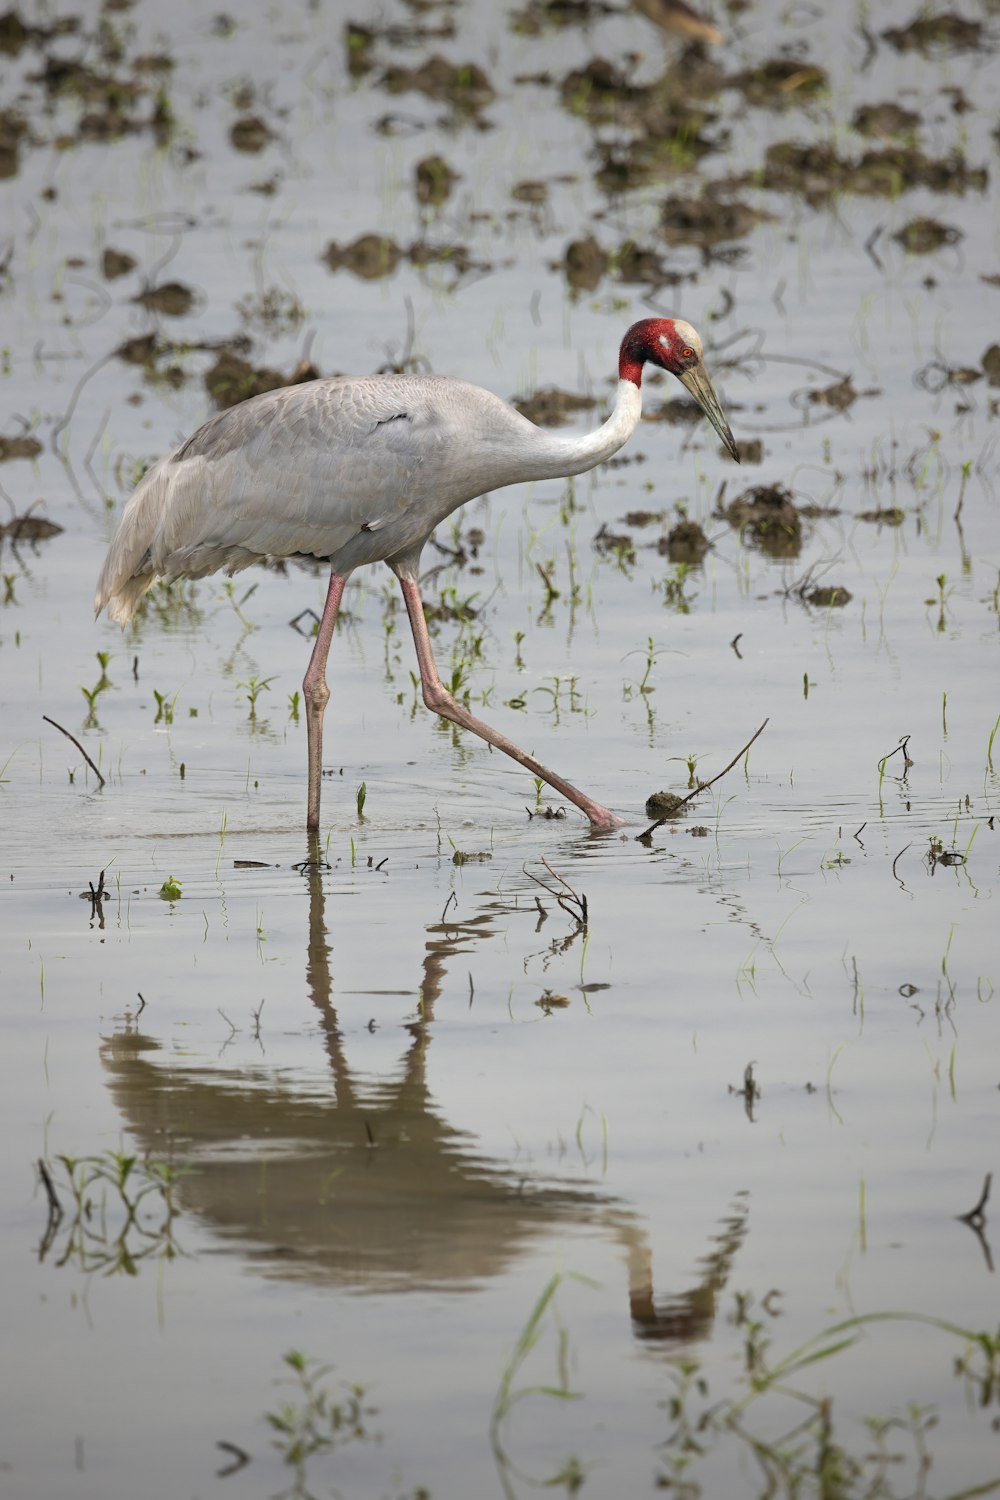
{"x":55,"y":1207}
{"x":76,"y":742}
{"x":703,"y":786}
{"x":976,"y":1216}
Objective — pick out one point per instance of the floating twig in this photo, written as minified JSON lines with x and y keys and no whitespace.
{"x":76,"y":742}
{"x":573,"y":905}
{"x":975,"y":1216}
{"x":703,"y":785}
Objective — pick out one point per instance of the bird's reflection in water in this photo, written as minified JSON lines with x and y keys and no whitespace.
{"x":363,"y":1183}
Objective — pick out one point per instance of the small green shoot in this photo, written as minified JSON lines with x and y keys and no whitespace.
{"x":255,"y":686}
{"x":164,"y":707}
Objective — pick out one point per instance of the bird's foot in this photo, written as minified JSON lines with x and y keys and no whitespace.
{"x":604,"y":821}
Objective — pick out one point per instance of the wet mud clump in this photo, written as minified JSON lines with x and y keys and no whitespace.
{"x":768,"y":517}
{"x":685,"y":543}
{"x":924,"y":236}
{"x":115,"y":263}
{"x":818,"y":172}
{"x":232,"y":379}
{"x":886,"y":119}
{"x":250,"y":134}
{"x":19,"y":447}
{"x":709,"y":220}
{"x":435,"y":180}
{"x":585,"y":264}
{"x":839,"y":396}
{"x":553,"y":408}
{"x":370,"y":256}
{"x":829,"y":596}
{"x":30,"y":528}
{"x":930,"y":33}
{"x":779,"y":81}
{"x":464,"y":85}
{"x":16,"y":33}
{"x":552,"y":15}
{"x":13,"y":130}
{"x":991,"y":364}
{"x":664,"y":805}
{"x":373,"y":256}
{"x":171,"y":299}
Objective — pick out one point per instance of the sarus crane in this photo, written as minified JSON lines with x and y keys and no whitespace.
{"x":361,"y":469}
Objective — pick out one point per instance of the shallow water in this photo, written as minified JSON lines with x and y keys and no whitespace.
{"x":404,"y":1096}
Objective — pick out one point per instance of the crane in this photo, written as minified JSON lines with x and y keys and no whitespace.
{"x":361,"y":469}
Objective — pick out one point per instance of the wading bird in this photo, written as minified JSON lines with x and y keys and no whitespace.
{"x":361,"y":469}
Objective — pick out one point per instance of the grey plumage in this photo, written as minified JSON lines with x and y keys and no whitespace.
{"x":350,"y":471}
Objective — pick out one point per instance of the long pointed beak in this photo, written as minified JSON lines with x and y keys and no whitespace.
{"x":701,"y":388}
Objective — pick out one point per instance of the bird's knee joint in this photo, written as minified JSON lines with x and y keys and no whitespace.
{"x":437,"y":698}
{"x":316,"y":694}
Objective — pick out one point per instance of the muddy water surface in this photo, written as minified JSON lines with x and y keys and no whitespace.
{"x":382,"y":1166}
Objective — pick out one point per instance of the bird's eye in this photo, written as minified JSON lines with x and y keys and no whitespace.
{"x":687,"y":354}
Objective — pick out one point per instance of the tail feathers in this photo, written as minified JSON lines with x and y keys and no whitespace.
{"x":128,"y":569}
{"x":123,"y":603}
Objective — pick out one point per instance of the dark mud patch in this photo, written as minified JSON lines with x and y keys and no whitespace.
{"x":370,"y":256}
{"x":887,"y":516}
{"x":991,"y":364}
{"x":115,"y":263}
{"x":13,"y":132}
{"x":551,"y":407}
{"x":171,"y":299}
{"x":434,"y":180}
{"x":768,"y":517}
{"x":616,"y":544}
{"x":250,"y":134}
{"x":923,"y":236}
{"x":373,"y":256}
{"x":462,"y":85}
{"x":641,"y":518}
{"x":828,"y":596}
{"x":30,"y":528}
{"x":361,"y":39}
{"x":539,"y":16}
{"x":675,"y":412}
{"x":779,"y":82}
{"x":665,"y":805}
{"x":16,"y":33}
{"x":885,"y":120}
{"x":708,"y":220}
{"x":585,"y":263}
{"x":819,"y":172}
{"x":931,"y":33}
{"x":19,"y":447}
{"x":840,"y":395}
{"x":232,"y":378}
{"x":685,"y":543}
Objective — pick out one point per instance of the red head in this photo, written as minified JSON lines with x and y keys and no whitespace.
{"x":675,"y":346}
{"x":668,"y":342}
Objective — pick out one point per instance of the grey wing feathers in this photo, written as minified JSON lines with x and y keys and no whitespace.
{"x":294,"y":471}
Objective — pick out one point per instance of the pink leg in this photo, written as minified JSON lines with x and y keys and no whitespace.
{"x":317,"y":695}
{"x":438,"y":698}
